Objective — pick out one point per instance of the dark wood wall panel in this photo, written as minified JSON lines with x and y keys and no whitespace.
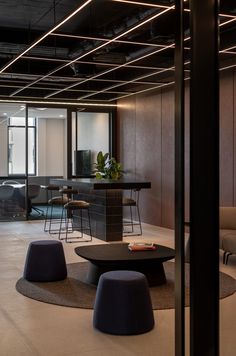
{"x":234,"y":145}
{"x":127,"y":134}
{"x":226,"y":140}
{"x":148,"y":154}
{"x":187,"y":151}
{"x":147,"y":148}
{"x":168,"y":132}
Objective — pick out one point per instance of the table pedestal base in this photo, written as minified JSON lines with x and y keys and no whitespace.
{"x":153,"y":270}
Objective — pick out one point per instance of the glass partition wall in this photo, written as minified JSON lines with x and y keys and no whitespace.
{"x":57,"y":144}
{"x":13,"y":161}
{"x":42,"y":133}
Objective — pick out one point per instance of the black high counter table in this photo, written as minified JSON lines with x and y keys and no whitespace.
{"x":105,"y":197}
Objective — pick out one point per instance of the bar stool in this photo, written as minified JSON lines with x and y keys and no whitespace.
{"x":48,"y":218}
{"x":132,"y":203}
{"x":74,"y":222}
{"x":56,"y":202}
{"x":50,"y":189}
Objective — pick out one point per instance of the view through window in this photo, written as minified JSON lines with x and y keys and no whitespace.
{"x":16,"y":146}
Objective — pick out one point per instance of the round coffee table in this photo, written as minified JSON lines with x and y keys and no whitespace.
{"x":117,"y":256}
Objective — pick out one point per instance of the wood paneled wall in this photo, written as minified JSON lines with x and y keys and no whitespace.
{"x":146,"y":148}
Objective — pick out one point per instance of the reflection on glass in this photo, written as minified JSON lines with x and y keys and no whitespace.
{"x":90,"y":134}
{"x":16,"y":146}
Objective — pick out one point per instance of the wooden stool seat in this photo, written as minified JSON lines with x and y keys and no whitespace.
{"x":58,"y":200}
{"x":77,"y":204}
{"x":128,"y":202}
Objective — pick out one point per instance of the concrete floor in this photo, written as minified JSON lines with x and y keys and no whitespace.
{"x":32,"y":328}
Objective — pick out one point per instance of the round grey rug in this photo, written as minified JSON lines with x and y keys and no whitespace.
{"x":75,"y":292}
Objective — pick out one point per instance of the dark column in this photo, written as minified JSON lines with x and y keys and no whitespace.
{"x":114,"y":137}
{"x":26,"y":159}
{"x":204,"y":180}
{"x":69,"y":143}
{"x":179,"y":183}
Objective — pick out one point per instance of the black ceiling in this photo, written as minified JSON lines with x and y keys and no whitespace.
{"x":107,"y":50}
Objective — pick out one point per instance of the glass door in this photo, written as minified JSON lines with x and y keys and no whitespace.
{"x":13,"y":161}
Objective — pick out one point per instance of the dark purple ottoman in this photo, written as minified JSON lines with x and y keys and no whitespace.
{"x":45,"y":262}
{"x":123,"y":304}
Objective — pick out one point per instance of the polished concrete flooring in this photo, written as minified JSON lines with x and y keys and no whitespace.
{"x":32,"y":328}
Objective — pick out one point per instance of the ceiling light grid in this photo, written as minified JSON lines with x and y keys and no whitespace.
{"x":124,"y":33}
{"x":76,"y":84}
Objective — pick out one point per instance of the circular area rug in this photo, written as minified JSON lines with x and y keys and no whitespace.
{"x":75,"y":292}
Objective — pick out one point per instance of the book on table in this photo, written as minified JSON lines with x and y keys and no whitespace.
{"x":142,"y":246}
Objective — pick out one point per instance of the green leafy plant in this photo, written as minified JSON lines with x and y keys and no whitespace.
{"x":106,"y":167}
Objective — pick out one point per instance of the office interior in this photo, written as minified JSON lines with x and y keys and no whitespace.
{"x":100,"y":81}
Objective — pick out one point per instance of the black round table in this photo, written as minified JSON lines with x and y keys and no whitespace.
{"x":117,"y":256}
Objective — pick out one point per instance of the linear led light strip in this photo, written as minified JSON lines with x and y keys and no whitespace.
{"x":55,"y":103}
{"x":36,"y":98}
{"x":228,"y":52}
{"x":144,"y":4}
{"x":164,"y":85}
{"x":96,"y":48}
{"x":88,"y":62}
{"x":228,"y":49}
{"x":170,"y":83}
{"x":106,"y":40}
{"x":140,"y":92}
{"x":137,"y":59}
{"x":136,"y":80}
{"x":112,"y":40}
{"x":112,"y":69}
{"x":120,"y":84}
{"x":94,"y":104}
{"x":144,"y":76}
{"x":107,"y":71}
{"x":146,"y":90}
{"x":143,"y":91}
{"x":160,"y":6}
{"x":226,"y":22}
{"x":75,"y":90}
{"x":228,"y":67}
{"x":45,"y":35}
{"x":74,"y":13}
{"x":96,"y":80}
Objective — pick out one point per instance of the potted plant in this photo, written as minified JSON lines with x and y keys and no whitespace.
{"x":106,"y":167}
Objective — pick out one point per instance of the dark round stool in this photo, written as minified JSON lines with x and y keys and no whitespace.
{"x":45,"y":262}
{"x":123,"y":305}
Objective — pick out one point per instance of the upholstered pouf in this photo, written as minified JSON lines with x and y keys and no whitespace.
{"x":123,"y":304}
{"x":45,"y":262}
